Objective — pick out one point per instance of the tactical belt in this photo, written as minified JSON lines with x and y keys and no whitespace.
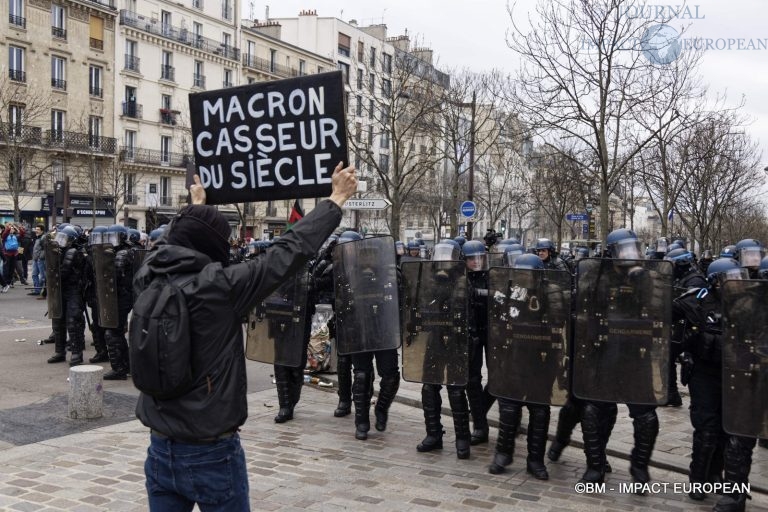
{"x":204,"y":440}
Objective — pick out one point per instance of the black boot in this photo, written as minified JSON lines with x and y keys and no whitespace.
{"x":646,"y":428}
{"x":118,"y":356}
{"x":673,"y":395}
{"x":431,"y":403}
{"x":738,"y":462}
{"x":99,"y":343}
{"x":538,"y":426}
{"x":59,"y":345}
{"x":100,"y":357}
{"x":607,"y":422}
{"x":704,"y":447}
{"x":344,"y":374}
{"x":76,"y":359}
{"x":361,"y":396}
{"x":569,"y":417}
{"x":284,"y":393}
{"x":460,"y":412}
{"x":297,"y":383}
{"x":509,"y":420}
{"x":594,"y":446}
{"x":57,"y":358}
{"x":479,"y":410}
{"x":388,"y":387}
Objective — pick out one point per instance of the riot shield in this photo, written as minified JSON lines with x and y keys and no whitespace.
{"x":622,"y":330}
{"x":436,"y":349}
{"x":366,"y":295}
{"x":106,"y":285}
{"x":277,"y":327}
{"x":138,"y":255}
{"x":745,"y":358}
{"x":53,"y":280}
{"x":529,"y":330}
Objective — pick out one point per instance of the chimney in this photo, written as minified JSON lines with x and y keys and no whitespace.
{"x":266,"y":14}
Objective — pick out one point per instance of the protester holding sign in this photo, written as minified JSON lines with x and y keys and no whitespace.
{"x":195,"y":454}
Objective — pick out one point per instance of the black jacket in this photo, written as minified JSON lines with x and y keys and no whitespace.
{"x":217,"y":299}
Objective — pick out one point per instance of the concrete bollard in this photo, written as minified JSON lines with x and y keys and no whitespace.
{"x":86,"y":392}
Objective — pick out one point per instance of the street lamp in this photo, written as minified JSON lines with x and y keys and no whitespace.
{"x":471,"y":181}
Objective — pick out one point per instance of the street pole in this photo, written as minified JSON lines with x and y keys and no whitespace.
{"x":471,"y":184}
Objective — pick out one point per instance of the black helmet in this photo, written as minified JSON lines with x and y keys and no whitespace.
{"x":623,"y":244}
{"x":724,"y":268}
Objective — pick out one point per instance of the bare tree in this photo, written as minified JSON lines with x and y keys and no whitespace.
{"x":24,"y":110}
{"x":585,"y":78}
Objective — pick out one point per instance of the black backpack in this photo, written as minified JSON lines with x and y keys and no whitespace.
{"x":160,"y":344}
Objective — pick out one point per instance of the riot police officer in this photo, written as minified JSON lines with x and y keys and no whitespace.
{"x":477,"y":275}
{"x":117,"y":345}
{"x":95,"y":238}
{"x":749,"y":252}
{"x":546,"y":250}
{"x":71,"y":264}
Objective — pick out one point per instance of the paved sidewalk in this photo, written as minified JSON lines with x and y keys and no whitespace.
{"x":314,"y":463}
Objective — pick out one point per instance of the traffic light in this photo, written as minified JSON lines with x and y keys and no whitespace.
{"x":592,"y":228}
{"x":503,"y":228}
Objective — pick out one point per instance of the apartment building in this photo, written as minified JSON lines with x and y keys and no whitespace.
{"x":57,"y":109}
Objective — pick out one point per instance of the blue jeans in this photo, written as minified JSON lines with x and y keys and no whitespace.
{"x":212,"y":475}
{"x":38,"y":275}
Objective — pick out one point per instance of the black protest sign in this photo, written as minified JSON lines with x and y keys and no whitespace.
{"x":271,"y":140}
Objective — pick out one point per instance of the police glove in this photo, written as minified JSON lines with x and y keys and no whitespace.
{"x":686,"y":368}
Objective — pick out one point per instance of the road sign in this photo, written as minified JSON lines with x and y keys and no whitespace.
{"x":585,"y":230}
{"x":576,"y":216}
{"x":468,"y":209}
{"x":367,"y":204}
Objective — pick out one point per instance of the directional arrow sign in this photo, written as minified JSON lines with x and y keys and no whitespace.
{"x":367,"y":204}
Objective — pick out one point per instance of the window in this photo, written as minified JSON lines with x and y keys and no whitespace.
{"x":344,"y":71}
{"x":372,"y":83}
{"x":360,"y":51}
{"x":165,"y":191}
{"x":94,"y":81}
{"x":344,"y":42}
{"x":359,"y":79}
{"x":385,"y":115}
{"x":129,"y":185}
{"x":359,"y":105}
{"x":16,"y":64}
{"x":228,"y":78}
{"x":197,"y":31}
{"x":57,"y":168}
{"x":272,"y":60}
{"x":16,"y":118}
{"x":97,"y":32}
{"x":57,"y":125}
{"x":384,"y":163}
{"x":165,"y":102}
{"x":226,"y":40}
{"x":16,"y":13}
{"x":165,"y":150}
{"x":226,"y":10}
{"x":198,"y":79}
{"x":58,"y":78}
{"x":131,"y":55}
{"x":384,"y":141}
{"x":197,"y":4}
{"x":370,"y":137}
{"x":370,"y":108}
{"x":58,"y":21}
{"x":165,"y":23}
{"x":302,"y":67}
{"x":94,"y":132}
{"x":130,"y":144}
{"x":386,"y":88}
{"x":386,"y":63}
{"x":167,"y":72}
{"x":373,"y":57}
{"x":16,"y":174}
{"x":130,"y":107}
{"x":358,"y":132}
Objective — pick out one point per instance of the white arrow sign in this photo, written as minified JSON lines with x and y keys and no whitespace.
{"x":367,"y":204}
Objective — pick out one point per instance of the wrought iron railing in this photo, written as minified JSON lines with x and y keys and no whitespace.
{"x":131,"y":62}
{"x":132,"y":109}
{"x":198,"y":81}
{"x":58,"y":83}
{"x":19,"y":21}
{"x":77,"y":141}
{"x":167,"y":73}
{"x":153,"y":157}
{"x":95,"y":91}
{"x":168,"y":116}
{"x":181,"y":35}
{"x":20,"y":134}
{"x":17,"y":75}
{"x":97,"y":44}
{"x":254,"y":62}
{"x":59,"y":32}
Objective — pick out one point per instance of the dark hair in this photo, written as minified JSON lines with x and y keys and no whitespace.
{"x":41,"y":226}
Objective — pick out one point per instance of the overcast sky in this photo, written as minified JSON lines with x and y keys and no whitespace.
{"x":471,"y":34}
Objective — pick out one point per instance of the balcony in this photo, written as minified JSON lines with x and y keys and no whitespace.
{"x":19,"y":21}
{"x":165,"y":201}
{"x":96,"y":91}
{"x":104,"y":3}
{"x":180,"y":35}
{"x":97,"y":44}
{"x":76,"y":141}
{"x":227,"y":85}
{"x":131,"y":63}
{"x":131,"y":199}
{"x":132,"y":109}
{"x":198,"y":81}
{"x":168,"y":116}
{"x":153,"y":157}
{"x":59,"y":33}
{"x":17,"y":75}
{"x":58,"y":83}
{"x":20,"y":134}
{"x":167,"y":73}
{"x":254,"y":62}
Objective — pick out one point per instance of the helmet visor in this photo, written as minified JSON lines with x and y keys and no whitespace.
{"x":477,"y":262}
{"x":733,"y":274}
{"x":112,"y":238}
{"x":399,"y":249}
{"x":95,"y":238}
{"x":445,"y":252}
{"x":661,"y":246}
{"x":750,"y":257}
{"x":628,"y":249}
{"x":61,"y":239}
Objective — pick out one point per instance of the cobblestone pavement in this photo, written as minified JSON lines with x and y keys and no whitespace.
{"x":314,"y":463}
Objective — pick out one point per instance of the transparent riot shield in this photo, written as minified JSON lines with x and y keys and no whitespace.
{"x":277,"y":327}
{"x":745,"y":358}
{"x":529,"y":330}
{"x":366,"y":295}
{"x":138,"y":257}
{"x":53,"y":280}
{"x":106,"y":285}
{"x":622,"y":330}
{"x":436,"y":349}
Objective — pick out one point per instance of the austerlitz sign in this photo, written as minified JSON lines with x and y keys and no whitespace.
{"x":271,"y":140}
